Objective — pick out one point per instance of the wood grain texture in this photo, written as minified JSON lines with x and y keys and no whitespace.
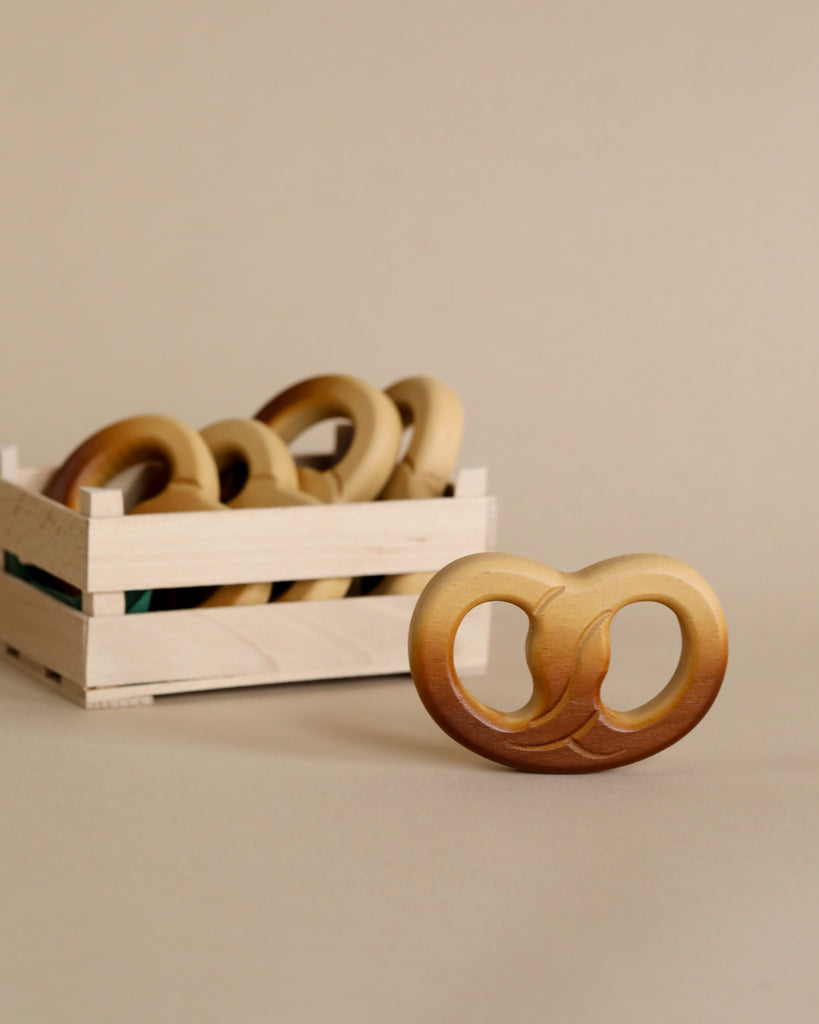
{"x":42,"y":627}
{"x":44,"y":532}
{"x":244,"y":545}
{"x":263,"y":643}
{"x":566,"y":727}
{"x":193,"y":480}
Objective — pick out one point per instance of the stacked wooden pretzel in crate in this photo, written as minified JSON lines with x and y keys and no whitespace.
{"x":248,"y":566}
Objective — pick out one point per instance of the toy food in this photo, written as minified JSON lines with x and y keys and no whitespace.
{"x":565,"y":726}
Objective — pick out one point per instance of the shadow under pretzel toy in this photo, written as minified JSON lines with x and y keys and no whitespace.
{"x":99,"y":656}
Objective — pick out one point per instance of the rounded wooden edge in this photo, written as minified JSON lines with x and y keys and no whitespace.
{"x":435,"y":414}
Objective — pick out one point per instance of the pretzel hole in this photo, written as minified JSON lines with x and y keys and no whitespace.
{"x":507,"y":684}
{"x":324,"y":443}
{"x":140,"y":482}
{"x":406,"y":440}
{"x":232,"y":479}
{"x":645,"y":648}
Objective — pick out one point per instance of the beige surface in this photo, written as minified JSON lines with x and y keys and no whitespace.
{"x":597,"y":222}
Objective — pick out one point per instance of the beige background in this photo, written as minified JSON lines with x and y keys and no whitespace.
{"x":600,"y":224}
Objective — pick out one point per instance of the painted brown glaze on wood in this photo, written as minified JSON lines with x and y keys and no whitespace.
{"x":565,"y":726}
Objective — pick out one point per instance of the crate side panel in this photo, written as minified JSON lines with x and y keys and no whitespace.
{"x":249,"y":545}
{"x":298,"y":640}
{"x":42,"y":628}
{"x":177,"y":652}
{"x":44,"y":532}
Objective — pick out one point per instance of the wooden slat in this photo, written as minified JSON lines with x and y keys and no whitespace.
{"x":470,"y":482}
{"x":42,"y":628}
{"x":248,"y":545}
{"x":98,"y":699}
{"x":44,"y":532}
{"x":9,"y":463}
{"x":264,"y":643}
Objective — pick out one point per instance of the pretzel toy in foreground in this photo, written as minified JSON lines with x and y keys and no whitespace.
{"x":193,"y":481}
{"x":565,"y":726}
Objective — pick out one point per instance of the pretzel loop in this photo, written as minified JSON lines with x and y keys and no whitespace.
{"x":193,"y":483}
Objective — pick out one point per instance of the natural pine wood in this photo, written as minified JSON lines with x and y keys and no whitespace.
{"x":102,"y":503}
{"x":566,"y":726}
{"x":274,"y":643}
{"x":241,"y":545}
{"x":44,"y":532}
{"x":42,"y":627}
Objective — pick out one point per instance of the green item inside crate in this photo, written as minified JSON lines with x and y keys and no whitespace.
{"x":135,"y":600}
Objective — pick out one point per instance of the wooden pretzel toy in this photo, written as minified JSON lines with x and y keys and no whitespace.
{"x":192,"y":484}
{"x":365,"y":467}
{"x":565,"y":726}
{"x":271,"y":475}
{"x":193,"y":481}
{"x":435,"y":414}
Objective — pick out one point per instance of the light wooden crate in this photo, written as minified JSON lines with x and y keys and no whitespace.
{"x":100,"y":657}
